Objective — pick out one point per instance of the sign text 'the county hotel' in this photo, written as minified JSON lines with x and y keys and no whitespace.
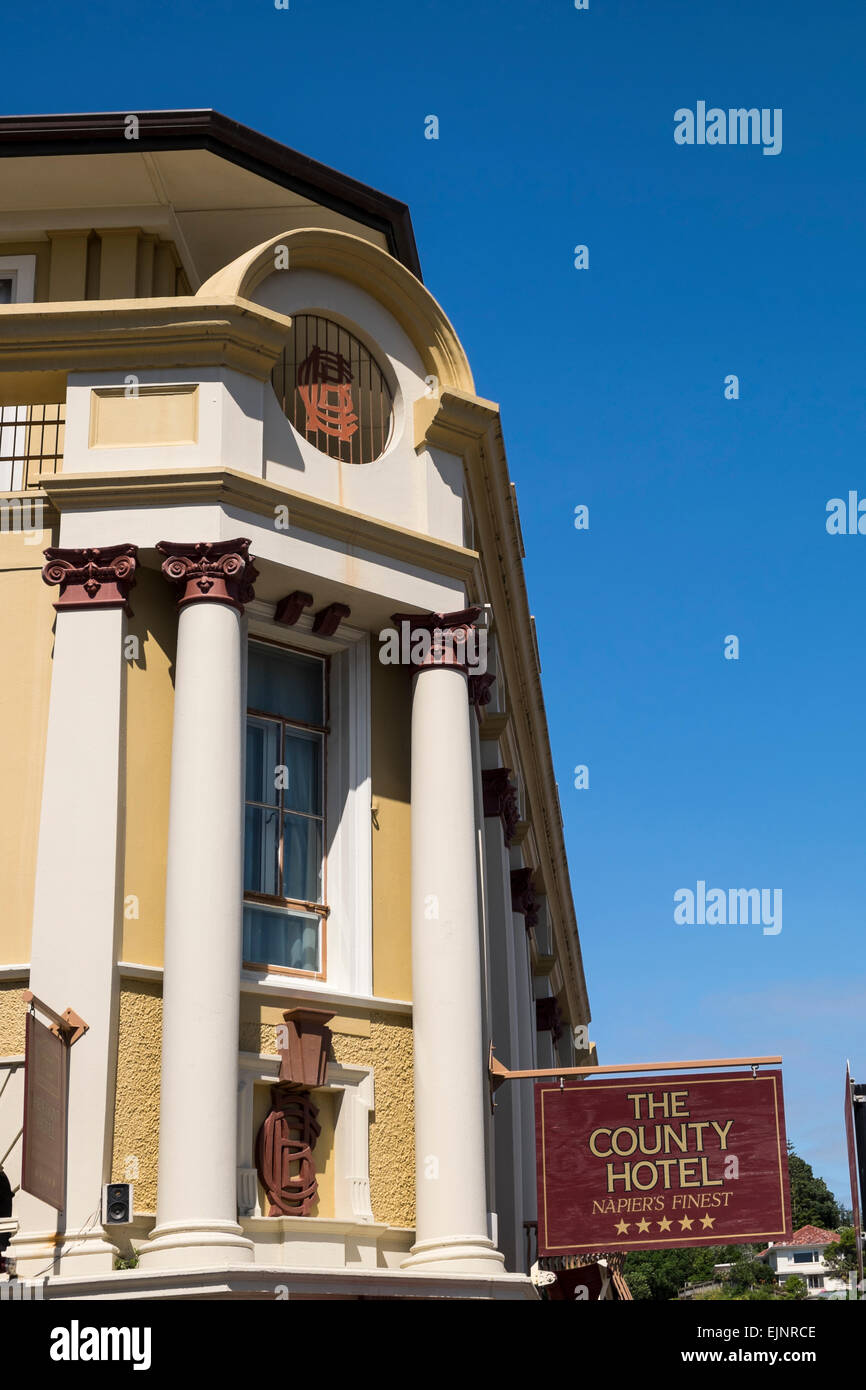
{"x":640,"y":1164}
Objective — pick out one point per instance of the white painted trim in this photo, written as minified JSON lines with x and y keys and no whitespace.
{"x":246,"y":1281}
{"x":261,"y":621}
{"x":349,"y":793}
{"x":352,"y":1141}
{"x":284,"y":987}
{"x":289,"y":987}
{"x":131,"y":970}
{"x":350,"y":856}
{"x":23,"y":272}
{"x":14,"y":972}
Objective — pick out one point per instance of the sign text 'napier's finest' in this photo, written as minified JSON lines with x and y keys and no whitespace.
{"x":647,"y":1164}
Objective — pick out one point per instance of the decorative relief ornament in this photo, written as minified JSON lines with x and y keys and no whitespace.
{"x":285,"y":1142}
{"x":325,"y":387}
{"x":96,"y":577}
{"x":333,"y":390}
{"x":284,"y":1152}
{"x":221,"y":571}
{"x":290,"y":608}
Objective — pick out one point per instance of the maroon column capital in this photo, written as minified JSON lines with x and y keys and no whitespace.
{"x":437,"y":639}
{"x":95,"y":577}
{"x":217,"y":571}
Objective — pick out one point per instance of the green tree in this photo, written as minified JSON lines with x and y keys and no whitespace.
{"x":841,"y":1257}
{"x":663,"y":1274}
{"x":639,"y":1285}
{"x":794,"y":1287}
{"x":748,"y":1273}
{"x":812,"y":1202}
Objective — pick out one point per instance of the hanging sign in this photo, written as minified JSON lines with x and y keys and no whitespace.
{"x":639,"y":1164}
{"x":43,"y":1171}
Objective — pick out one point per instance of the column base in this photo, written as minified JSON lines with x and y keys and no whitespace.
{"x":455,"y":1255}
{"x":44,"y":1253}
{"x":195,"y":1245}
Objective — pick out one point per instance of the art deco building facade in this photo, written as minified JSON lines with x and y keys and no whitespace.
{"x":294,"y":874}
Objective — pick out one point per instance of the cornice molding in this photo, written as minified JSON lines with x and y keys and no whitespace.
{"x":75,"y":492}
{"x":105,"y":335}
{"x":453,"y":420}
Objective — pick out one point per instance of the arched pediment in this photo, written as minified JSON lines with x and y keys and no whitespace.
{"x":373,"y":270}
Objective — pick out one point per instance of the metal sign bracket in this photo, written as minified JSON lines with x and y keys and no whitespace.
{"x":68,"y":1026}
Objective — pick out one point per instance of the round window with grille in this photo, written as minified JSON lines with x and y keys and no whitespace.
{"x":333,"y":390}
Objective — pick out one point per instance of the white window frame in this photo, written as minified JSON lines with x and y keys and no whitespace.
{"x":22,"y":272}
{"x":348,"y":802}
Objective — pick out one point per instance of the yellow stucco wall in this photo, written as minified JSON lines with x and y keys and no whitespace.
{"x":383,"y":1042}
{"x":12,"y":1014}
{"x":26,"y":641}
{"x":390,"y":749}
{"x":377,"y":1040}
{"x":136,"y":1106}
{"x":388,"y":1051}
{"x":149,"y":713}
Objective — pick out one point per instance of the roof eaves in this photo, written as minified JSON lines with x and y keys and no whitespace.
{"x":104,"y":132}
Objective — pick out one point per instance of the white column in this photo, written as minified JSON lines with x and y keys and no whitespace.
{"x":197,"y":1193}
{"x":508,"y":1147}
{"x":450,"y":1089}
{"x":77,"y":908}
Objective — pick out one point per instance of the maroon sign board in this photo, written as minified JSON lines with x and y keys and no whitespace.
{"x":43,"y":1171}
{"x":639,"y":1164}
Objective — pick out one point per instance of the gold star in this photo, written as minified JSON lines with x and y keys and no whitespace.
{"x":643,"y":1225}
{"x":686,"y":1223}
{"x":622,"y":1227}
{"x":707,"y":1222}
{"x":664,"y":1224}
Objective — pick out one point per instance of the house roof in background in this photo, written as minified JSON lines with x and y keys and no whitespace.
{"x":806,"y":1235}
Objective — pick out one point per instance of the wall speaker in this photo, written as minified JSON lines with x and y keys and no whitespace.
{"x":117,"y":1204}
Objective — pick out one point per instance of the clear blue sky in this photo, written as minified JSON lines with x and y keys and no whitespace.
{"x":706,"y":515}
